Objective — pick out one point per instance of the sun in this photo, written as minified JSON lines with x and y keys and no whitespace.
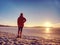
{"x":47,"y":24}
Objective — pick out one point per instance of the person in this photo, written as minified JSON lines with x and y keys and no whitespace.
{"x":20,"y":22}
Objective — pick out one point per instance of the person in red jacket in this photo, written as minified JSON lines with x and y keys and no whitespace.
{"x":20,"y":22}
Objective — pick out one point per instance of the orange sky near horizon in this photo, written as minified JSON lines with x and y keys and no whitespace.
{"x":45,"y":24}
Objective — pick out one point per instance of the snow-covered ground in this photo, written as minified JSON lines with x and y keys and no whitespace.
{"x":39,"y":32}
{"x":31,"y":36}
{"x":10,"y":39}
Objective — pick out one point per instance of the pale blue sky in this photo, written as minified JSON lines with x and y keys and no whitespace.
{"x":36,"y":11}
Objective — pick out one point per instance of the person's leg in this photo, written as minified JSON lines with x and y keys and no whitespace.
{"x":21,"y":32}
{"x":18,"y":31}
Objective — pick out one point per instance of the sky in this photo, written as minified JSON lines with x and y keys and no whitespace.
{"x":37,"y":12}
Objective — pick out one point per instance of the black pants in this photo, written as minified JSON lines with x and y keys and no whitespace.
{"x":20,"y":29}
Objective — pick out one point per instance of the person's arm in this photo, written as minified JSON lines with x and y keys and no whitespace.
{"x":24,"y":19}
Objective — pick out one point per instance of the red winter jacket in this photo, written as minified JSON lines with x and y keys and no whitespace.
{"x":21,"y":20}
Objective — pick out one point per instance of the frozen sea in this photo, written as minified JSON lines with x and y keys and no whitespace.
{"x":47,"y":33}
